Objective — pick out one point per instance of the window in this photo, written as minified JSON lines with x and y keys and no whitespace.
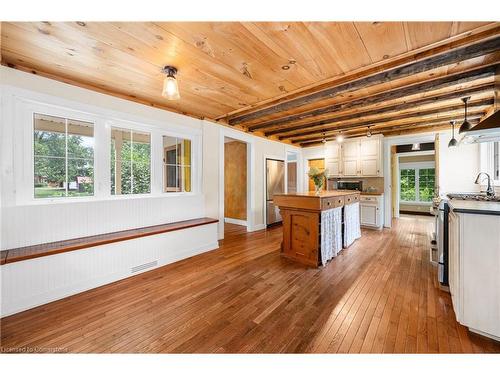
{"x":408,"y":191}
{"x":176,"y":164}
{"x":63,"y":157}
{"x":130,"y":162}
{"x":416,"y":184}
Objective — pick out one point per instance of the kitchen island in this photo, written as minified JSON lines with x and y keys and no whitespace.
{"x":316,"y":224}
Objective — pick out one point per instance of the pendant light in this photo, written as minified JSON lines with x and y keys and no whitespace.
{"x":324,"y":139}
{"x":368,"y":133}
{"x":415,"y":147}
{"x":170,"y":87}
{"x":453,"y":141}
{"x":339,"y":138}
{"x":466,"y":126}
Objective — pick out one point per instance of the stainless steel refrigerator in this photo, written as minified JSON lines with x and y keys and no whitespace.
{"x":275,"y":184}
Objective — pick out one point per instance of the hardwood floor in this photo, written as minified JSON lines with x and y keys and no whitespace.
{"x":378,"y":296}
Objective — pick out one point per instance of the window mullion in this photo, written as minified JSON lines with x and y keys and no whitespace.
{"x":66,"y":156}
{"x":131,"y":168}
{"x":417,"y":184}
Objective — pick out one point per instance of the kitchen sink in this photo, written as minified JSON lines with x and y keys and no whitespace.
{"x":474,"y":197}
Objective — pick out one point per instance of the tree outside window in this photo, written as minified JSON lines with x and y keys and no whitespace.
{"x":130,"y":162}
{"x":417,"y":184}
{"x":63,"y":157}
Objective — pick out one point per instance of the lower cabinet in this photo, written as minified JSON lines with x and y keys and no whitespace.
{"x":474,"y":271}
{"x":371,"y":210}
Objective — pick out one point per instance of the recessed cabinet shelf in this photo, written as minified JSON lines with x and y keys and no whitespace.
{"x":359,"y":157}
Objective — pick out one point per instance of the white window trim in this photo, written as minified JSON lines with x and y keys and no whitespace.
{"x":21,"y":113}
{"x":486,"y":162}
{"x":131,"y":130}
{"x":417,"y":166}
{"x":179,"y":193}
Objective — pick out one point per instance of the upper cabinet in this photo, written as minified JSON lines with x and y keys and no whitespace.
{"x":359,"y":157}
{"x":332,"y":158}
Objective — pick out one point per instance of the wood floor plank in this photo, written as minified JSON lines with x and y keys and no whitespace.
{"x":379,"y":295}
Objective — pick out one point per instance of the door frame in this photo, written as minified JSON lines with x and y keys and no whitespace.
{"x":264,"y":179}
{"x":297,"y":154}
{"x":244,"y":138}
{"x":395,"y":141}
{"x":416,"y":164}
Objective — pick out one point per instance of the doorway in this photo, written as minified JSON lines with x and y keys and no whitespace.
{"x":318,"y":163}
{"x":235,"y":182}
{"x":391,"y":168}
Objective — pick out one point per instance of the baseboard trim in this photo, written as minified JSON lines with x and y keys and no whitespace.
{"x":235,"y":221}
{"x":256,"y":228}
{"x":415,"y":213}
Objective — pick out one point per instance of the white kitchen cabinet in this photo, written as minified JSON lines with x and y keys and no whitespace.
{"x":350,"y":158}
{"x":358,"y":157}
{"x":371,"y":210}
{"x":332,"y":158}
{"x":474,"y":271}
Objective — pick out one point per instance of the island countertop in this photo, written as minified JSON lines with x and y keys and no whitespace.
{"x":318,"y":202}
{"x":323,"y":194}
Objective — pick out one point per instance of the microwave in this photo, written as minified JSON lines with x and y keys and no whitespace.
{"x":346,"y":185}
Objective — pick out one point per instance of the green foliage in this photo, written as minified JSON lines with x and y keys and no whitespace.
{"x":50,"y":163}
{"x":134,"y":162}
{"x":317,"y":176}
{"x":426,"y":178}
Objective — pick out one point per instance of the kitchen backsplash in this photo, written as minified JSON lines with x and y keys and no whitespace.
{"x":376,"y":182}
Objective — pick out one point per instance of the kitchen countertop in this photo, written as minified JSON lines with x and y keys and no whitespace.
{"x":371,"y":193}
{"x":475,"y":207}
{"x":323,"y":194}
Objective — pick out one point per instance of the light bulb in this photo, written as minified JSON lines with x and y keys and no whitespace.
{"x":340,"y":138}
{"x":170,"y":88}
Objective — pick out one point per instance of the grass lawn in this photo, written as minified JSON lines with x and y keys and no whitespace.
{"x":48,"y":192}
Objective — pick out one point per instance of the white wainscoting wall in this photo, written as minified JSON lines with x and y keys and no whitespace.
{"x":37,"y":281}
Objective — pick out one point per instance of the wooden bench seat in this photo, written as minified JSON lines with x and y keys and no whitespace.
{"x":41,"y":250}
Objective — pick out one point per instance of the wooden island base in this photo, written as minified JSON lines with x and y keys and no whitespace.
{"x":301,"y":213}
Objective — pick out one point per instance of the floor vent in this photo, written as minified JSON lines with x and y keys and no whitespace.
{"x":144,"y":266}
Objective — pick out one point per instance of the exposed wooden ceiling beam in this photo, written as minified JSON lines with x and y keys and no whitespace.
{"x":396,"y":107}
{"x":433,"y":84}
{"x":483,"y":32}
{"x":393,"y":130}
{"x":364,"y":123}
{"x":413,"y":118}
{"x":433,"y":62}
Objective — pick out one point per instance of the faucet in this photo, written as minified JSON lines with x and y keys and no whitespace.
{"x":489,"y":190}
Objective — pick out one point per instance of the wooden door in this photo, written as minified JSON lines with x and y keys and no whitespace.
{"x":320,"y":164}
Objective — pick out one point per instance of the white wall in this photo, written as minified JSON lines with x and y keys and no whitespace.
{"x":63,"y":220}
{"x":458,"y":166}
{"x":26,"y":221}
{"x":260,"y":149}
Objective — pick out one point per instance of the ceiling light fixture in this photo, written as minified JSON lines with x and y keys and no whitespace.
{"x":324,"y":139}
{"x":415,"y":147}
{"x":170,"y":87}
{"x":453,"y":141}
{"x":368,"y":132}
{"x":340,"y":138}
{"x":466,"y":125}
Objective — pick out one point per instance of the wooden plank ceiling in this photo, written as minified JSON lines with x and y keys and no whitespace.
{"x":298,"y":82}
